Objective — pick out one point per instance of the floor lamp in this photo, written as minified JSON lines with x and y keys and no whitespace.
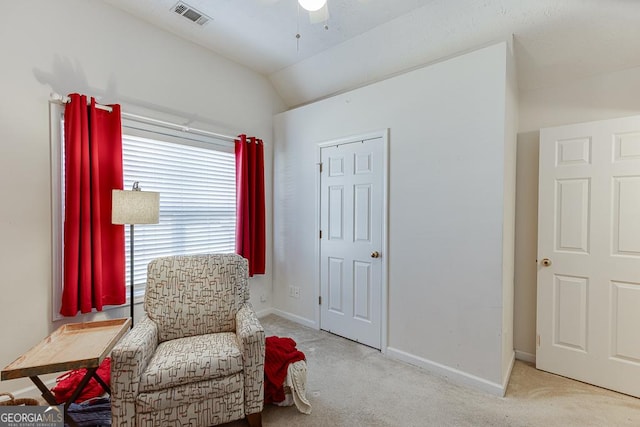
{"x":134,"y":207}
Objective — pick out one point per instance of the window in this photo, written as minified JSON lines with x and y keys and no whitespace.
{"x":196,"y":181}
{"x":195,"y":176}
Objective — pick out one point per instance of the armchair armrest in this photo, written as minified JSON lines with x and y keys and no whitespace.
{"x":251,"y":338}
{"x":129,"y":358}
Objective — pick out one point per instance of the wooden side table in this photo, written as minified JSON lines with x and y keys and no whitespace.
{"x":71,"y":346}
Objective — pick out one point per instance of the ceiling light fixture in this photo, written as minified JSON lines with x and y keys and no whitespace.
{"x":312,"y":5}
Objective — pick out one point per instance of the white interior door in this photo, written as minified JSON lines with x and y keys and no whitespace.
{"x":351,"y":224}
{"x":589,"y":253}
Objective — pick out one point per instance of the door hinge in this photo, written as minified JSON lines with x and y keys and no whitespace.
{"x":538,"y":340}
{"x":320,"y":164}
{"x":321,"y":234}
{"x":319,"y":300}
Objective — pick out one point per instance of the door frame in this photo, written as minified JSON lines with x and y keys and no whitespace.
{"x":384,"y":303}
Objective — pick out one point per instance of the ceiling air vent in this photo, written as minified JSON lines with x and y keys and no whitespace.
{"x":190,"y":13}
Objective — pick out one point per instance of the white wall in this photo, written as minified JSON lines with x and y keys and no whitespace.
{"x":89,"y":47}
{"x":599,"y":97}
{"x":447,"y":195}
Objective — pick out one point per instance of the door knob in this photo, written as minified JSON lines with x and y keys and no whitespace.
{"x":375,"y":254}
{"x":546,"y":262}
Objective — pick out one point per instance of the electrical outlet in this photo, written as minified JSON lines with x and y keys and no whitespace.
{"x":263,"y":298}
{"x":294,"y":292}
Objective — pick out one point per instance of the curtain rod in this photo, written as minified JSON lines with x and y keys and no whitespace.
{"x":59,"y":99}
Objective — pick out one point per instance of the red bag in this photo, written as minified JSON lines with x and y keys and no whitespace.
{"x":68,"y":382}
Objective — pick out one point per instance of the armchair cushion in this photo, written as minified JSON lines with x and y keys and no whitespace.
{"x":192,"y":359}
{"x":195,"y":295}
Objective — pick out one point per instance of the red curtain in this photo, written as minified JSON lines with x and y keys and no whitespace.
{"x":250,"y":214}
{"x":94,"y":265}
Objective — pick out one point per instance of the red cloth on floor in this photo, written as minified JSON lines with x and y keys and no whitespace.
{"x":279,"y":353}
{"x":68,"y":382}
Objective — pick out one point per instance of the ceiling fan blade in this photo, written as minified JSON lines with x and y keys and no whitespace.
{"x":320,"y":15}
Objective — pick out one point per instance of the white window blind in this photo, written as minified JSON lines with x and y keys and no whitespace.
{"x":195,"y":177}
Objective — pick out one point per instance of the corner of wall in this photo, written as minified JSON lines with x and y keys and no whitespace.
{"x":509,"y":209}
{"x":507,"y":372}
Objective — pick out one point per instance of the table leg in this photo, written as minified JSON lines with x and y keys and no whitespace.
{"x":46,"y":393}
{"x":104,"y":385}
{"x":85,"y":380}
{"x":51,"y":400}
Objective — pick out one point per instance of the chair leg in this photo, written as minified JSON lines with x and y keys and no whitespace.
{"x":254,"y":420}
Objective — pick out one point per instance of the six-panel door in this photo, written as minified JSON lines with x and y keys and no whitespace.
{"x":589,"y":253}
{"x":351,"y":223}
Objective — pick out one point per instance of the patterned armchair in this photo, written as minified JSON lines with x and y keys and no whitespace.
{"x":197,"y":356}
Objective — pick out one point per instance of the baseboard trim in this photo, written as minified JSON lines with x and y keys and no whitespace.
{"x":264,"y":313}
{"x":526,"y":357}
{"x":32,"y":390}
{"x":295,"y":318}
{"x":447,"y":372}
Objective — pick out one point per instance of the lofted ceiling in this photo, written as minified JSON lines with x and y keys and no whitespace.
{"x":554,"y":41}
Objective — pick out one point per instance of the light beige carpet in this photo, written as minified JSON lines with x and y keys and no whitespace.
{"x":352,"y":385}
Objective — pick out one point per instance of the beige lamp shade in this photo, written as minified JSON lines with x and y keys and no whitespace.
{"x":135,"y":207}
